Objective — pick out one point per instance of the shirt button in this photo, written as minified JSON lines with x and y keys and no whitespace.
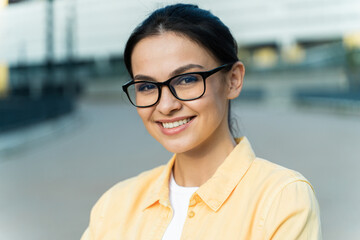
{"x":192,"y":202}
{"x":191,"y":214}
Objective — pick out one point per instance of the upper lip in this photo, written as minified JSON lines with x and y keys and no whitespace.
{"x":173,"y":119}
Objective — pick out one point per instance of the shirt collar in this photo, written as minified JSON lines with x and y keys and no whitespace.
{"x":218,"y":188}
{"x":159,"y":191}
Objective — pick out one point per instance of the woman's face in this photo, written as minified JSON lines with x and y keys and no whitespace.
{"x":163,"y":56}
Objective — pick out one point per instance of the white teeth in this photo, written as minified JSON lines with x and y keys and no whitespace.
{"x":175,"y":124}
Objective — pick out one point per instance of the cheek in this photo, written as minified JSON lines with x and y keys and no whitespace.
{"x":217,"y":99}
{"x":212,"y":106}
{"x":145,"y":115}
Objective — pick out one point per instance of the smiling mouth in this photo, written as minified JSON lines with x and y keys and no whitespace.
{"x":175,"y":124}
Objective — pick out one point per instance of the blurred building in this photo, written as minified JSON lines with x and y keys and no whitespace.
{"x":99,"y":29}
{"x":53,"y":46}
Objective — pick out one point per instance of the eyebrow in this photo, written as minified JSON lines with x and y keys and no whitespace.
{"x":177,"y":71}
{"x":183,"y":69}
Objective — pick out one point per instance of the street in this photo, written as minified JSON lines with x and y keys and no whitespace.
{"x":49,"y":184}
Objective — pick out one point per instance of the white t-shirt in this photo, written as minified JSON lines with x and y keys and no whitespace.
{"x":179,"y":199}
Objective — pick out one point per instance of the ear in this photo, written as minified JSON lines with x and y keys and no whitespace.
{"x":235,"y":79}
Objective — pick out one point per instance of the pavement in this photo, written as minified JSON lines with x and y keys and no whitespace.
{"x":53,"y":173}
{"x":48,"y":185}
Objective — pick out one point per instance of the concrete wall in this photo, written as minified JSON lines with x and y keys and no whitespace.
{"x":99,"y":29}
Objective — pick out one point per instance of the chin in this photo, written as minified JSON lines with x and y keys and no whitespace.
{"x":175,"y":148}
{"x":177,"y":145}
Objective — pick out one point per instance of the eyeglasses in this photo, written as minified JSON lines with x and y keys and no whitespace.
{"x":185,"y":87}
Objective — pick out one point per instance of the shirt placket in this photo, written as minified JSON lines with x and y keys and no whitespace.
{"x":191,"y":217}
{"x":165,"y":217}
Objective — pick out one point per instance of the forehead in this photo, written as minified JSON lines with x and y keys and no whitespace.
{"x":160,"y":54}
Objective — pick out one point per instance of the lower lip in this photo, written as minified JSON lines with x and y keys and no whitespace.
{"x":175,"y":130}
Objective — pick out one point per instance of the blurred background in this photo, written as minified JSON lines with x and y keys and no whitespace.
{"x":67,"y":132}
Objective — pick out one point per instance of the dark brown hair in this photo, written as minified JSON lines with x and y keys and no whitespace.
{"x":190,"y":21}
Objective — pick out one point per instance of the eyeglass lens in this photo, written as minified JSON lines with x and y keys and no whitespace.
{"x":184,"y":87}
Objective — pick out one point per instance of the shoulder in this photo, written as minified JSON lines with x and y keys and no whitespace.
{"x":274,"y":183}
{"x":127,"y":190}
{"x":291,"y":207}
{"x":125,"y":198}
{"x":275,"y":175}
{"x":138,"y":182}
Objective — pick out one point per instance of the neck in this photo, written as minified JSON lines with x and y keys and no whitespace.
{"x":194,"y":168}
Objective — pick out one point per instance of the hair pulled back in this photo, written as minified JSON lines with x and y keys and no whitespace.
{"x":197,"y":24}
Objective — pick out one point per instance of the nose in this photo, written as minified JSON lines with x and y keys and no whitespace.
{"x":168,"y":104}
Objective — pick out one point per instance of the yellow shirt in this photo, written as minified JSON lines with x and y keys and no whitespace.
{"x":246,"y":198}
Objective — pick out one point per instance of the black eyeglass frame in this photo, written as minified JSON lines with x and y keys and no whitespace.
{"x":203,"y":74}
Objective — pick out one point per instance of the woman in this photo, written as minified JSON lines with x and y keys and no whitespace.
{"x":184,"y":68}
